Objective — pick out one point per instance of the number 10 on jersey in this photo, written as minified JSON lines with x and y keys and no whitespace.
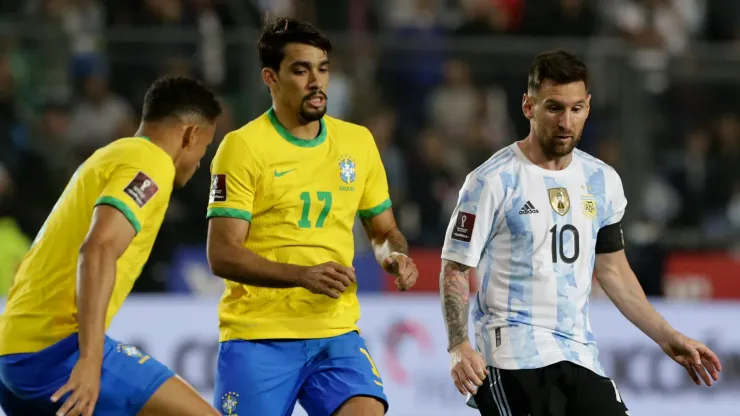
{"x":324,"y":197}
{"x":558,"y":240}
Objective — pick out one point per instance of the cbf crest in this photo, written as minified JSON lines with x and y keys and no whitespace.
{"x":559,"y":200}
{"x":347,"y":169}
{"x":133,"y":352}
{"x":229,"y":402}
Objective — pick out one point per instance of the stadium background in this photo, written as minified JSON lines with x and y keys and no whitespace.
{"x":439,"y":84}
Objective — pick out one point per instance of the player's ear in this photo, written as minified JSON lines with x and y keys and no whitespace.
{"x":189,"y":136}
{"x":527,"y":106}
{"x":269,"y":77}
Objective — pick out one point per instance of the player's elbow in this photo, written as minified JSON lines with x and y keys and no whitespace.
{"x":219,"y":259}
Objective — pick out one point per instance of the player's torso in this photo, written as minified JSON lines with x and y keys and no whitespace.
{"x":41,"y":304}
{"x":306,"y":203}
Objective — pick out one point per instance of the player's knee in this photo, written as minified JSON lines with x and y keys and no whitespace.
{"x":361,"y":406}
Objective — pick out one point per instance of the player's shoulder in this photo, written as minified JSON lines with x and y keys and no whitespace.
{"x":133,"y":151}
{"x":594,"y":163}
{"x":345,"y":130}
{"x":250,"y":134}
{"x":501,"y":161}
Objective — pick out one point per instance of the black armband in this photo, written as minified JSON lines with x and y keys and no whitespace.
{"x":610,"y":238}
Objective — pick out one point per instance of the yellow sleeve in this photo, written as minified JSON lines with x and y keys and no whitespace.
{"x":375,"y":197}
{"x":234,"y":177}
{"x":139,"y":187}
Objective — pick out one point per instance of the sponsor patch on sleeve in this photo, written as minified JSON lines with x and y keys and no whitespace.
{"x":218,"y":188}
{"x":141,"y":189}
{"x":464,"y":224}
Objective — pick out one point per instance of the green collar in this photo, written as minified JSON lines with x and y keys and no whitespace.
{"x":144,"y":137}
{"x":292,"y":139}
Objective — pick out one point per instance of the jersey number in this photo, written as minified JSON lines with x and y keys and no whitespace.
{"x":558,"y":238}
{"x":324,"y":197}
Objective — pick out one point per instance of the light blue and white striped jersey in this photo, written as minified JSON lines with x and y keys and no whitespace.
{"x":531,"y":234}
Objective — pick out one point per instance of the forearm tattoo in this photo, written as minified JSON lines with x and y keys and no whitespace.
{"x":455,"y":289}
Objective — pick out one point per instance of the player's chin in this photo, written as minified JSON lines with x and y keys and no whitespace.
{"x":311,"y":113}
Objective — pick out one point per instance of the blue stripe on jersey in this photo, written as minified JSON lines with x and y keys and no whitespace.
{"x":596,"y":185}
{"x":565,"y":277}
{"x":521,"y":269}
{"x":496,"y":161}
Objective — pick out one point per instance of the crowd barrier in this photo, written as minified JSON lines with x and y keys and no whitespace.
{"x":406,"y":337}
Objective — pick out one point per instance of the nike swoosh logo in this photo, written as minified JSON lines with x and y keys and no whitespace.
{"x":279,"y":174}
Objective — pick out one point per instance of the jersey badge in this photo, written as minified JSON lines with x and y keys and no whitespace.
{"x":347,"y":170}
{"x":464,"y":224}
{"x":589,"y":206}
{"x":141,"y":189}
{"x":218,"y":188}
{"x":229,"y":402}
{"x":559,"y":200}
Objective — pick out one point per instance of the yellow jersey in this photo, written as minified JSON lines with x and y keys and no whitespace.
{"x":301,"y":198}
{"x":133,"y":175}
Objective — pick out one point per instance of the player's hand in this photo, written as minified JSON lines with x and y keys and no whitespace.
{"x":84,"y":386}
{"x":401,"y":266}
{"x":330,"y":279}
{"x":699,"y":361}
{"x":468,"y":368}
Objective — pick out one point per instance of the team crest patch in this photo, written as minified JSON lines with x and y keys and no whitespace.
{"x":589,"y":206}
{"x":347,"y":170}
{"x":229,"y":402}
{"x":559,"y":200}
{"x":141,"y":189}
{"x":464,"y":224}
{"x":133,"y":352}
{"x":218,"y":188}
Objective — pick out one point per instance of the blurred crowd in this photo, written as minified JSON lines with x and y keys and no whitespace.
{"x":73,"y":73}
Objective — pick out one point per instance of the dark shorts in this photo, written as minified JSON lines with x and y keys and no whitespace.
{"x":559,"y":389}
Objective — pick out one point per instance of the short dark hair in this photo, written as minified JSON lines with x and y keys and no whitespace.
{"x":180,"y":97}
{"x":558,"y":66}
{"x":283,"y":31}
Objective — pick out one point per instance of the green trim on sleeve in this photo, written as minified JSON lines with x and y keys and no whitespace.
{"x":379,"y":209}
{"x":121,"y":206}
{"x":229,"y":213}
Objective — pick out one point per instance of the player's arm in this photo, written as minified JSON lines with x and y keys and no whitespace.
{"x":109,"y":235}
{"x":468,"y":233}
{"x":229,"y":259}
{"x":390,"y":246}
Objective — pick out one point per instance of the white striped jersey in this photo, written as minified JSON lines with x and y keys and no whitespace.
{"x":531,"y":234}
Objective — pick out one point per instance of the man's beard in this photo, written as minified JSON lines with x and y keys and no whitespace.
{"x":552,"y":147}
{"x":312,"y":114}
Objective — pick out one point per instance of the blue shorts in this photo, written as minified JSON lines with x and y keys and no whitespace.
{"x":266,"y":378}
{"x":128,"y":379}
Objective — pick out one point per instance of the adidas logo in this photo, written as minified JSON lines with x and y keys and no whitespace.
{"x":528,"y":208}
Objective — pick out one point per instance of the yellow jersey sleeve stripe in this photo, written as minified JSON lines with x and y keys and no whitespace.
{"x":229,"y":213}
{"x":125,"y":210}
{"x":378,"y":209}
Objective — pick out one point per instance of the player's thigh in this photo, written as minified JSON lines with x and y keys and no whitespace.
{"x":130,"y":378}
{"x":506,"y":393}
{"x":13,"y":405}
{"x":177,"y":398}
{"x":258,"y":377}
{"x":594,"y":394}
{"x":361,"y":406}
{"x":342,"y":371}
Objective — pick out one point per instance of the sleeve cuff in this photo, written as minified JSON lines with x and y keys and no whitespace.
{"x":376,"y":210}
{"x":239,"y":214}
{"x":121,"y":206}
{"x":461,"y":259}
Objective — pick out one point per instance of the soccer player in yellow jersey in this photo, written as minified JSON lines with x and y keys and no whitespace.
{"x":285,"y":192}
{"x":54,"y":355}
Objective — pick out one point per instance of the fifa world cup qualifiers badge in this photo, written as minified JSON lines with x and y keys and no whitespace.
{"x":463,"y":230}
{"x":141,"y":189}
{"x":229,"y":402}
{"x":218,"y":188}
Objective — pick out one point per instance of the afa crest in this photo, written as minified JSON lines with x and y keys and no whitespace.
{"x":347,"y":169}
{"x":229,"y":402}
{"x":589,"y":207}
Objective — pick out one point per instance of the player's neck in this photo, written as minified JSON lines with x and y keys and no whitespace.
{"x":297,"y":127}
{"x":532,"y":151}
{"x":160,"y":137}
